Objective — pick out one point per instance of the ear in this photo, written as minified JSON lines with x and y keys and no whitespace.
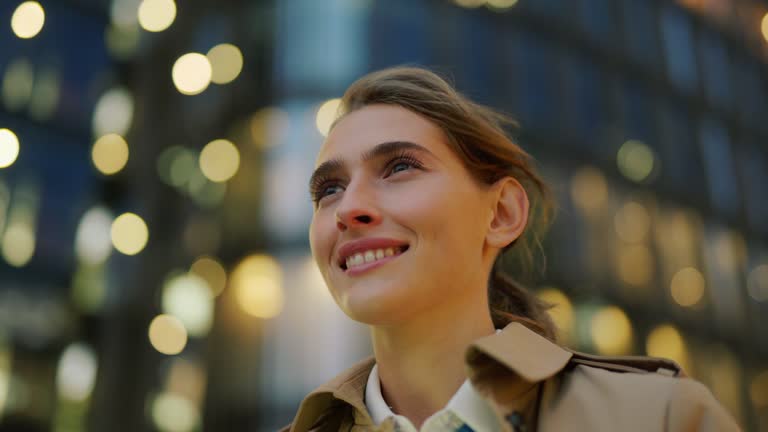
{"x":510,"y":212}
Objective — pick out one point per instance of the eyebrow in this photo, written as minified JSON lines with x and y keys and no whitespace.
{"x":380,"y":150}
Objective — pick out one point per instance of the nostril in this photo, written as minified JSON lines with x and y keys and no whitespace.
{"x":363,"y":218}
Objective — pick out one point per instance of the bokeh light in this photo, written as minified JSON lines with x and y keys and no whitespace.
{"x":188,"y":298}
{"x":757,"y":283}
{"x":167,"y":334}
{"x":226,"y":63}
{"x":110,"y":154}
{"x":665,"y":341}
{"x":113,"y":113}
{"x":561,"y":312}
{"x":45,"y":94}
{"x":326,"y":115}
{"x":18,"y":239}
{"x":212,"y":272}
{"x":589,"y":190}
{"x":192,"y":73}
{"x":93,"y":243}
{"x":122,"y":41}
{"x":9,"y":148}
{"x":470,"y":3}
{"x":207,"y":194}
{"x":219,"y":160}
{"x":176,"y":165}
{"x":125,"y":13}
{"x":635,"y":160}
{"x":76,"y":373}
{"x":129,"y":233}
{"x":5,"y":373}
{"x":632,"y":222}
{"x":156,"y":15}
{"x":687,"y":287}
{"x":19,"y":243}
{"x":635,"y":264}
{"x":28,"y":19}
{"x":90,"y":286}
{"x":174,"y":413}
{"x":187,"y":377}
{"x":18,"y":84}
{"x":257,"y":285}
{"x":611,"y":331}
{"x":764,"y":26}
{"x":501,"y":4}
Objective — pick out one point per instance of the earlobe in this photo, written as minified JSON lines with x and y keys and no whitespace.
{"x":510,"y":212}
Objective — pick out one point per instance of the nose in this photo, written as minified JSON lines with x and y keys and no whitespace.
{"x":357,"y":209}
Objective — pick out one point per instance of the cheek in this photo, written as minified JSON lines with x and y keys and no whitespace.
{"x":452,"y":211}
{"x":318,"y":241}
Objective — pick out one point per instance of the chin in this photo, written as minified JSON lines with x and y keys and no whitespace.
{"x":370,"y":308}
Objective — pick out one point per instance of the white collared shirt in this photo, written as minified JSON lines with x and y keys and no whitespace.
{"x":465,"y":407}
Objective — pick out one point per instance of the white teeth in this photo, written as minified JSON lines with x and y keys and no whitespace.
{"x":355,"y":259}
{"x":370,"y":256}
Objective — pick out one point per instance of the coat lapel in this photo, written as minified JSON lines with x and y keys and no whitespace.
{"x":346,"y":388}
{"x":508,"y":369}
{"x":505,"y":367}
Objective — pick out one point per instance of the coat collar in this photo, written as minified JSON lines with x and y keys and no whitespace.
{"x":521,"y":351}
{"x":505,"y":367}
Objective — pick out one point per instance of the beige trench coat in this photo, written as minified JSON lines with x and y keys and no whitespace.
{"x":534,"y":385}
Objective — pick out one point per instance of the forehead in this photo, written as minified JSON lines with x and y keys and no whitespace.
{"x":375,"y":124}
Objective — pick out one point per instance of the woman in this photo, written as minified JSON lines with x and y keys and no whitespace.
{"x":417,"y":194}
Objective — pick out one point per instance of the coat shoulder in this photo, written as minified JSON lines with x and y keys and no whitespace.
{"x":632,"y":393}
{"x":632,"y":364}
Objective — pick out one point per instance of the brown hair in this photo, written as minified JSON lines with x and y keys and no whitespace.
{"x":475,"y":133}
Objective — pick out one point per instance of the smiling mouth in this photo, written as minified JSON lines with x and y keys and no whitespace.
{"x":371,"y":256}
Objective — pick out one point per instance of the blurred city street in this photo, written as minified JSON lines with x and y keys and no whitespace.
{"x":155,"y":269}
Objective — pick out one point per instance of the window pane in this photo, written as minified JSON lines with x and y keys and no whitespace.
{"x":640,"y":31}
{"x":399,"y":34}
{"x":598,"y":19}
{"x":754,"y":176}
{"x":718,"y":161}
{"x":678,"y":47}
{"x":714,"y":59}
{"x":636,"y":103}
{"x":535,"y":82}
{"x":583,"y":99}
{"x":752,"y":92}
{"x":681,"y":165}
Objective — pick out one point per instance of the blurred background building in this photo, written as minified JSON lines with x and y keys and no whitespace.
{"x":155,"y":271}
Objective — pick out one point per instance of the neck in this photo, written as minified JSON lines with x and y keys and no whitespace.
{"x":421,"y":362}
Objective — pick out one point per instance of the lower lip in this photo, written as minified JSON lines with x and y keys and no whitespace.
{"x":354,"y":271}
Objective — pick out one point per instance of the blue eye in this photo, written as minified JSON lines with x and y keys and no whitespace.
{"x":405,"y":160}
{"x":400,"y":164}
{"x":322,"y":188}
{"x":325,"y":190}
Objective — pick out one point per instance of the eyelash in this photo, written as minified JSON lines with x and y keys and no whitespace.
{"x":320,"y":184}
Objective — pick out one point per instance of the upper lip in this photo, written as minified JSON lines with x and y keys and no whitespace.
{"x":352,"y":247}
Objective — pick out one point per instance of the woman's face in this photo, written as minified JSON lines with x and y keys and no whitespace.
{"x":399,"y":224}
